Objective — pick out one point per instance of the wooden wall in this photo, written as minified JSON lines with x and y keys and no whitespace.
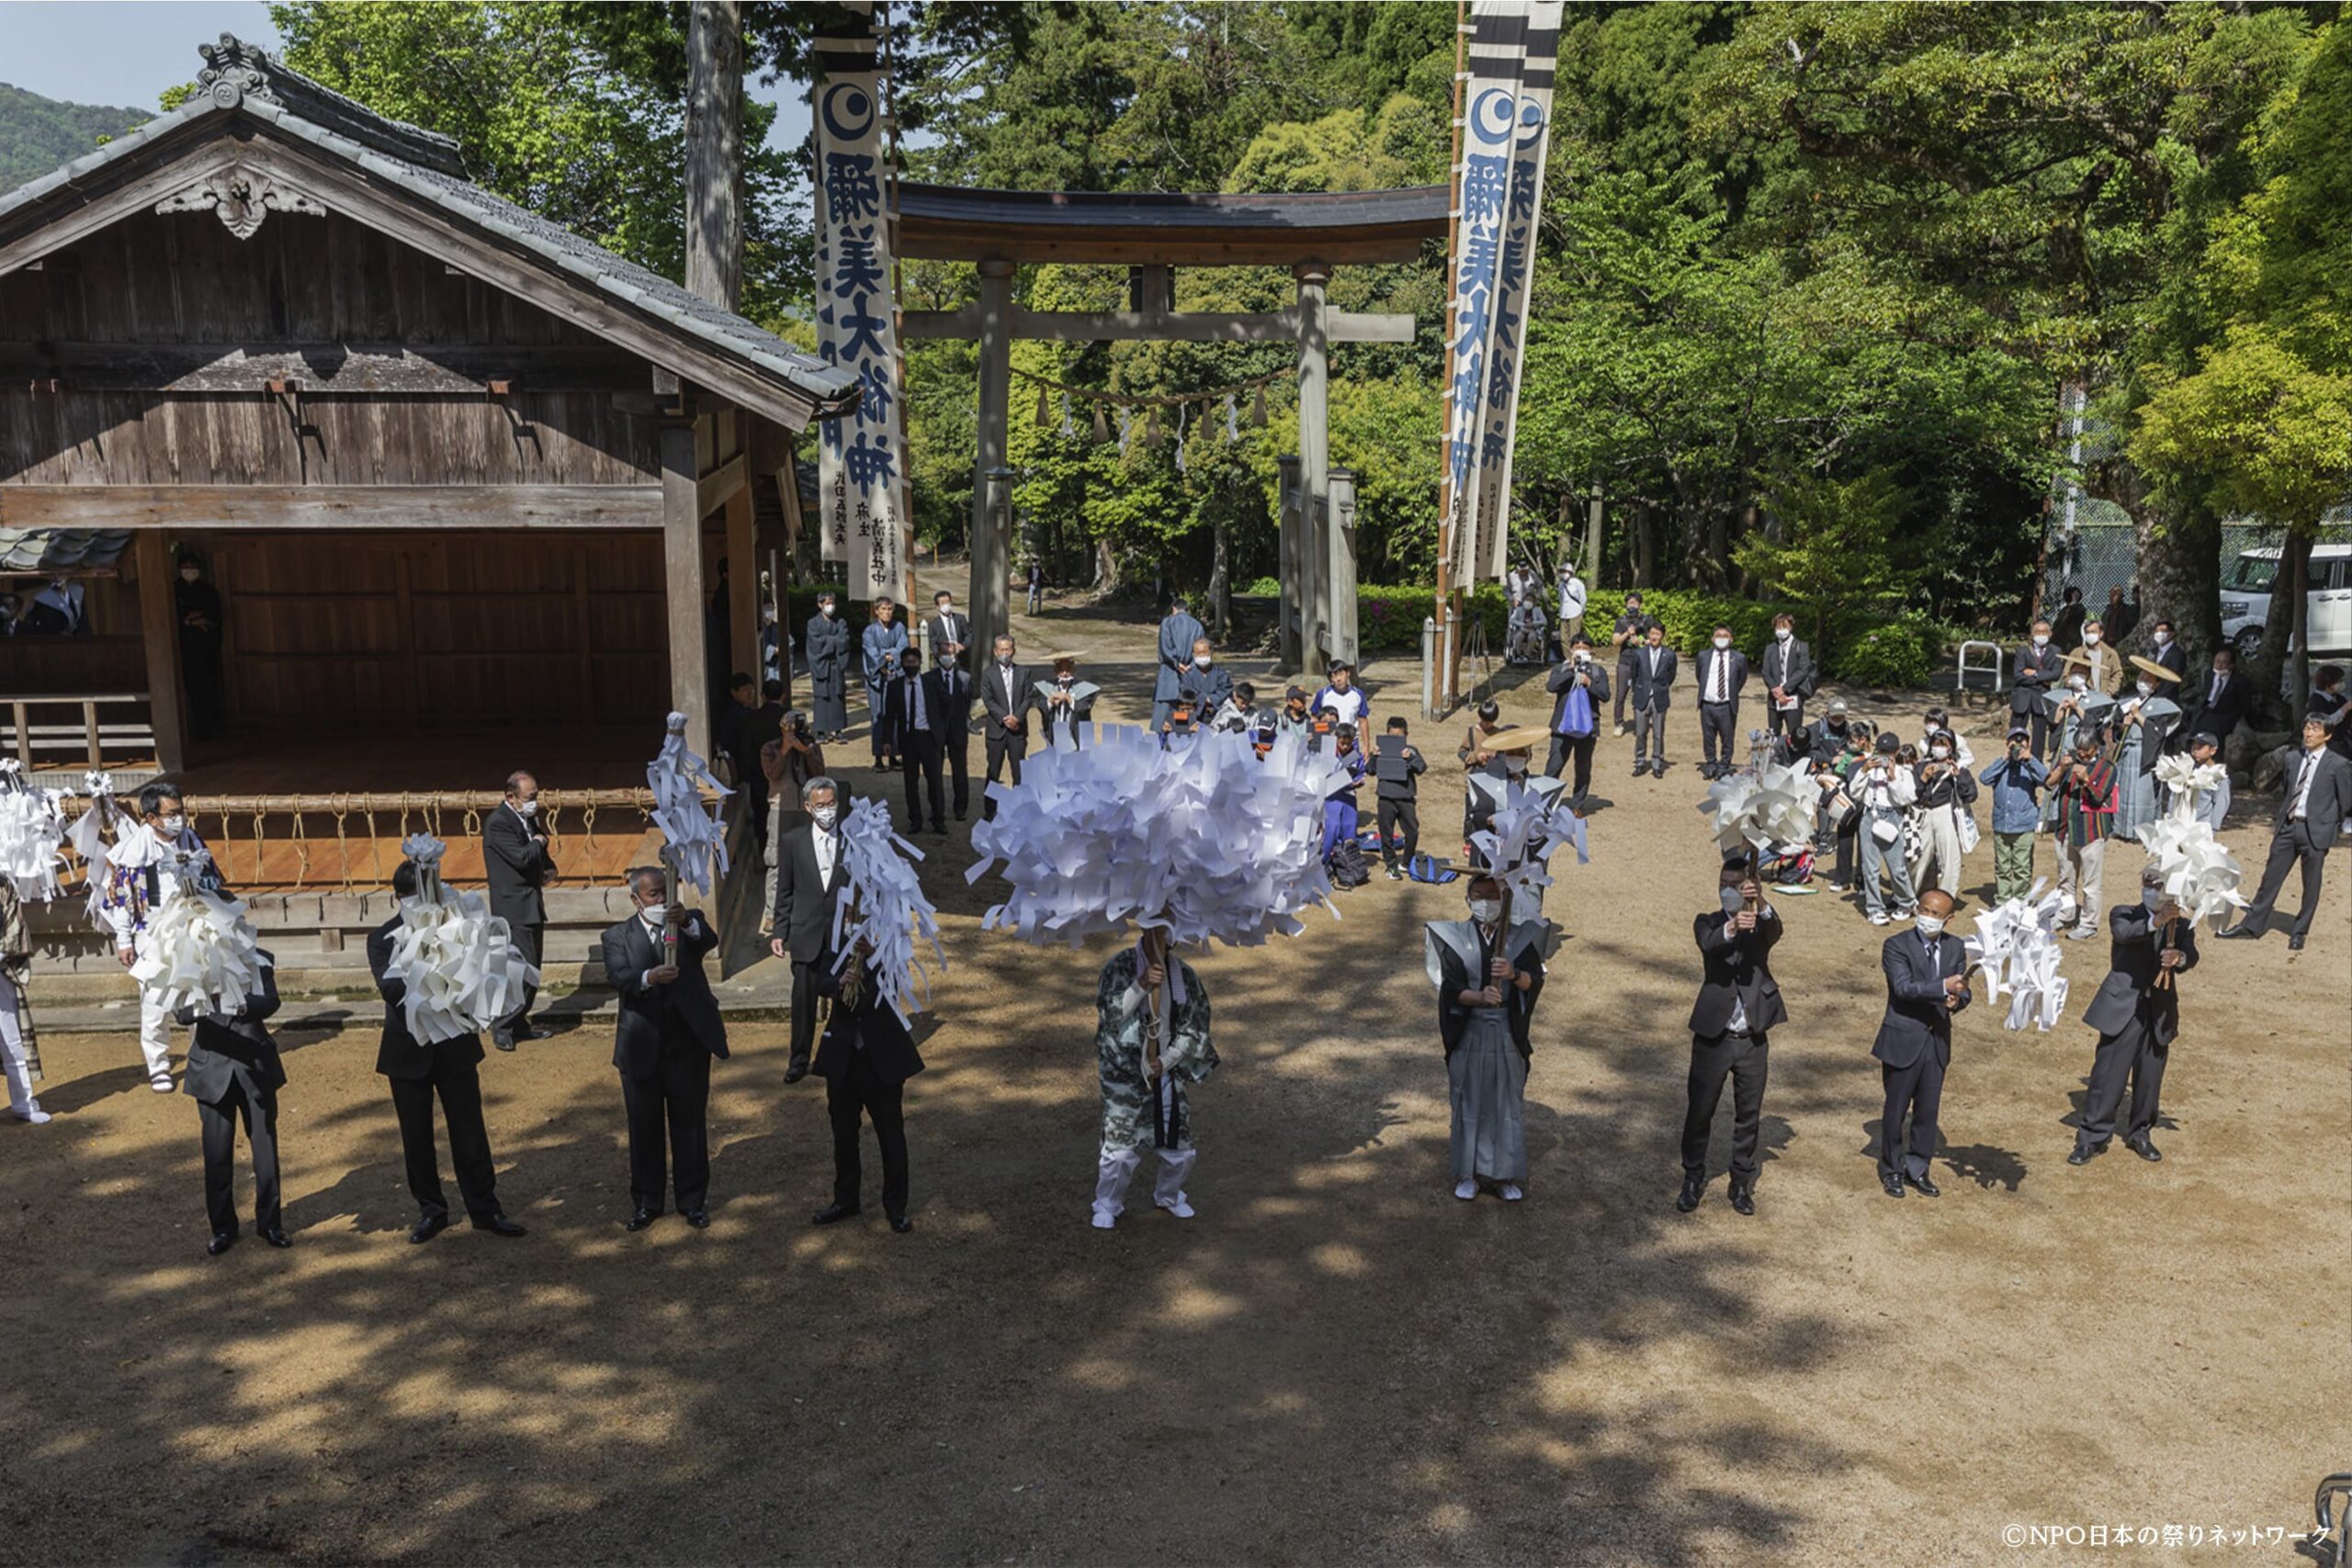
{"x":109,"y":658}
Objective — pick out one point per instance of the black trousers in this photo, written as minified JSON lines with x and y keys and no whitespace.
{"x":529,"y":941}
{"x":678,"y":1099}
{"x":804,"y":1008}
{"x":2295,"y":842}
{"x":860,"y":1092}
{"x":259,"y":1114}
{"x":1395,"y":817}
{"x":2038,"y":722}
{"x":1579,"y":747}
{"x":2130,"y":1052}
{"x":1005,"y":748}
{"x":1624,"y":678}
{"x":1742,"y":1059}
{"x":1783,"y":721}
{"x":955,"y":745}
{"x":461,"y":1091}
{"x":919,"y":760}
{"x":1918,"y":1090}
{"x":1718,"y":722}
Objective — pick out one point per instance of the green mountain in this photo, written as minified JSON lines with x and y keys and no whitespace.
{"x":37,"y":134}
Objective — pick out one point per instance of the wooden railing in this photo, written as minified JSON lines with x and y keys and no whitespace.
{"x":66,"y":730}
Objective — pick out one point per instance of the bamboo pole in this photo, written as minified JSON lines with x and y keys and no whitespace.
{"x":1448,"y":594}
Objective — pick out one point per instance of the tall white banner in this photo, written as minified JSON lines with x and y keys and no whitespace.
{"x":862,"y":454}
{"x":1507,"y":122}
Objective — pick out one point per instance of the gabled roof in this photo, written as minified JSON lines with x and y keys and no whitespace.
{"x":243,"y":90}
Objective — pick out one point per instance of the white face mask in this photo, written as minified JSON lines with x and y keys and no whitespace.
{"x":527,"y":807}
{"x":2090,"y":639}
{"x":1939,"y":753}
{"x":1931,"y":925}
{"x":2041,"y":640}
{"x":1722,"y":642}
{"x":1202,"y":661}
{"x":175,"y":824}
{"x":824,"y":817}
{"x":825,"y":610}
{"x":2164,"y":640}
{"x":1485,"y":911}
{"x":2074,"y":682}
{"x":654,"y":914}
{"x":1004,"y":661}
{"x":1782,"y":633}
{"x":1732,"y":901}
{"x":1583,"y":657}
{"x":2147,"y":688}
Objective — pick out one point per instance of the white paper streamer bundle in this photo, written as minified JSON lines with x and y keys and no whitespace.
{"x":2179,"y":771}
{"x":457,"y":960}
{"x":1526,"y":825}
{"x":88,"y":838}
{"x":2015,"y":944}
{"x":199,"y":950}
{"x":2202,"y":877}
{"x":32,"y":828}
{"x":1765,"y":811}
{"x":892,"y":914}
{"x":1206,"y":839}
{"x":694,"y":839}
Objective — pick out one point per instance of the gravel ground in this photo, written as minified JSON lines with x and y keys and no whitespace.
{"x":1335,"y":1361}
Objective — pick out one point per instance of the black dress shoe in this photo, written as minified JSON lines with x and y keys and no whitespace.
{"x":2145,"y":1149}
{"x":1743,"y":1197}
{"x":639,"y":1219}
{"x":2237,"y":933}
{"x":498,"y":1225}
{"x":1893,"y":1184}
{"x":1640,"y":768}
{"x":529,"y":1032}
{"x":832,"y":1213}
{"x":503,"y":1041}
{"x":429,"y":1227}
{"x":276,"y":1236}
{"x":2294,"y":944}
{"x":1693,"y":1187}
{"x":2080,"y":1155}
{"x":1927,"y":1186}
{"x":698,"y":1218}
{"x":796,"y":1069}
{"x":222,"y":1242}
{"x":900,"y":1223}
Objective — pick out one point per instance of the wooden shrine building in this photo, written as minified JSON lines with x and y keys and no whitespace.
{"x":452,"y":469}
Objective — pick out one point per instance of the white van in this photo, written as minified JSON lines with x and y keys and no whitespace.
{"x":2245,"y":598}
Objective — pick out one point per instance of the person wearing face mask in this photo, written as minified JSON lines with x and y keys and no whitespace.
{"x":1927,"y":983}
{"x":826,"y":638}
{"x":2222,"y":698}
{"x":2039,"y":668}
{"x":1206,"y":686}
{"x":1790,"y":676}
{"x":2166,"y":651}
{"x":1739,"y":1004}
{"x":1151,"y":1039}
{"x":949,"y":691}
{"x":2084,"y":788}
{"x":1627,"y":634}
{"x":2066,"y":628}
{"x":911,"y":708}
{"x":668,"y":1032}
{"x":809,"y":883}
{"x":884,"y":641}
{"x":1723,"y":670}
{"x":1180,"y":634}
{"x":1488,"y":981}
{"x":1572,"y":602}
{"x":1884,"y":790}
{"x":2148,"y":717}
{"x":514,"y":857}
{"x":1580,"y":689}
{"x":1004,"y":710}
{"x":1653,"y":690}
{"x":233,"y":1073}
{"x":950,"y":629}
{"x":1943,"y":792}
{"x":201,"y":630}
{"x":2016,"y":782}
{"x":1835,"y":746}
{"x":1937,"y":722}
{"x":2136,"y":1016}
{"x":2316,"y":802}
{"x":2100,"y":660}
{"x":1065,"y":704}
{"x":865,"y":1056}
{"x":144,"y":870}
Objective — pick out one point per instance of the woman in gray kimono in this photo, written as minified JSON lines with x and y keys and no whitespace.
{"x":2148,"y":722}
{"x":1487,"y":987}
{"x":1152,"y":1038}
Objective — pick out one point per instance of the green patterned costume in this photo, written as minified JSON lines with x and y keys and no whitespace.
{"x":1187,"y":1057}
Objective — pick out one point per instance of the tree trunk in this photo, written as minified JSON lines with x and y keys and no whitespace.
{"x":2179,"y":558}
{"x":715,"y":153}
{"x":1592,"y":544}
{"x":1106,"y":567}
{"x":1220,"y":588}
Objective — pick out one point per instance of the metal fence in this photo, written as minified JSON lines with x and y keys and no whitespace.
{"x":2100,"y":552}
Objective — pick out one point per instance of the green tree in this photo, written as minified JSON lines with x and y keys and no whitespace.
{"x":1835,"y":546}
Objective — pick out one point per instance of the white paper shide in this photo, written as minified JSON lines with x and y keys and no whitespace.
{"x":457,"y":960}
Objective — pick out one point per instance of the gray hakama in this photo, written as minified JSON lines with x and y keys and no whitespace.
{"x":1487,"y":1078}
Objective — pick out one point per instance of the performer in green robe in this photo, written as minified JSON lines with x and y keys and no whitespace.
{"x":1152,"y":1036}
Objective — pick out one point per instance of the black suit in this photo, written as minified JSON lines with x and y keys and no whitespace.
{"x":662,"y":1044}
{"x":803,"y":921}
{"x":2305,"y":838}
{"x":2136,"y":1022}
{"x":514,"y":857}
{"x":866,"y":1059}
{"x":2039,"y":672}
{"x":1790,"y":667}
{"x":920,"y":753}
{"x":1719,"y":718}
{"x":417,"y":1071}
{"x":999,"y":703}
{"x":948,"y":693}
{"x":233,"y":1074}
{"x":1738,"y":974}
{"x":1579,"y":746}
{"x":956,"y":628}
{"x":1913,"y":1045}
{"x":1653,"y":693}
{"x":2207,"y":712}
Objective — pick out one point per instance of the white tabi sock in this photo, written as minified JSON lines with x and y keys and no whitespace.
{"x":1168,"y":1191}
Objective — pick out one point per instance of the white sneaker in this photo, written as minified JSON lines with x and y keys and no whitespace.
{"x":1179,"y":1208}
{"x":1511,"y":1194}
{"x":1878,"y":920}
{"x":30,"y":1110}
{"x":1104,"y":1220}
{"x":161,"y":1083}
{"x":1466,"y":1191}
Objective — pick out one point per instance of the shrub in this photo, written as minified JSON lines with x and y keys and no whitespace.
{"x":1876,"y":650}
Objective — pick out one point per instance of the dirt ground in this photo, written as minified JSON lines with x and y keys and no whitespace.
{"x":1336,"y":1360}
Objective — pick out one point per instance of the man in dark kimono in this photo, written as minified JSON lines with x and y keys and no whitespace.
{"x":828,"y":642}
{"x":1178,"y":633}
{"x":1486,"y":989}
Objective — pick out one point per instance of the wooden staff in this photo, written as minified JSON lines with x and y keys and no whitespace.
{"x":2164,"y":941}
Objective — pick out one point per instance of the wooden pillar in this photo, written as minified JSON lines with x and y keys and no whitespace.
{"x":158,"y":630}
{"x":1287,"y":652}
{"x":992,"y":596}
{"x":1314,"y":467}
{"x":682,"y":577}
{"x":743,"y":565}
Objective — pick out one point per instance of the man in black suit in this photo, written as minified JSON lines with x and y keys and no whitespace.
{"x":417,"y":1072}
{"x":1723,"y":670}
{"x":2317,"y":797}
{"x":2040,"y":667}
{"x":233,"y":1073}
{"x":949,"y":694}
{"x":1573,"y":735}
{"x":866,"y":1059}
{"x":1652,"y":690}
{"x":1789,"y":676}
{"x":514,"y":857}
{"x":2220,"y":698}
{"x":1739,"y":1003}
{"x":1927,"y":982}
{"x":910,"y":709}
{"x":809,"y":883}
{"x":1004,"y":698}
{"x":1627,"y":634}
{"x":2166,"y":651}
{"x":668,"y":1032}
{"x":2137,"y":1020}
{"x":950,"y":631}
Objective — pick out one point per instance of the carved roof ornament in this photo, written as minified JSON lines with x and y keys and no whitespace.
{"x":235,"y":71}
{"x":243,"y":197}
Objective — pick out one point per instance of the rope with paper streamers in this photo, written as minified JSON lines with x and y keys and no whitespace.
{"x":886,"y":910}
{"x":694,"y":840}
{"x":32,"y":828}
{"x":1151,"y":403}
{"x":457,"y":961}
{"x":199,"y":952}
{"x":2016,"y":945}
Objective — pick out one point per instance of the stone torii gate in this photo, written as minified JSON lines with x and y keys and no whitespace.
{"x":1156,"y":232}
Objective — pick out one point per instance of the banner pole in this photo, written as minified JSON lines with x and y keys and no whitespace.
{"x":1450,"y":665}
